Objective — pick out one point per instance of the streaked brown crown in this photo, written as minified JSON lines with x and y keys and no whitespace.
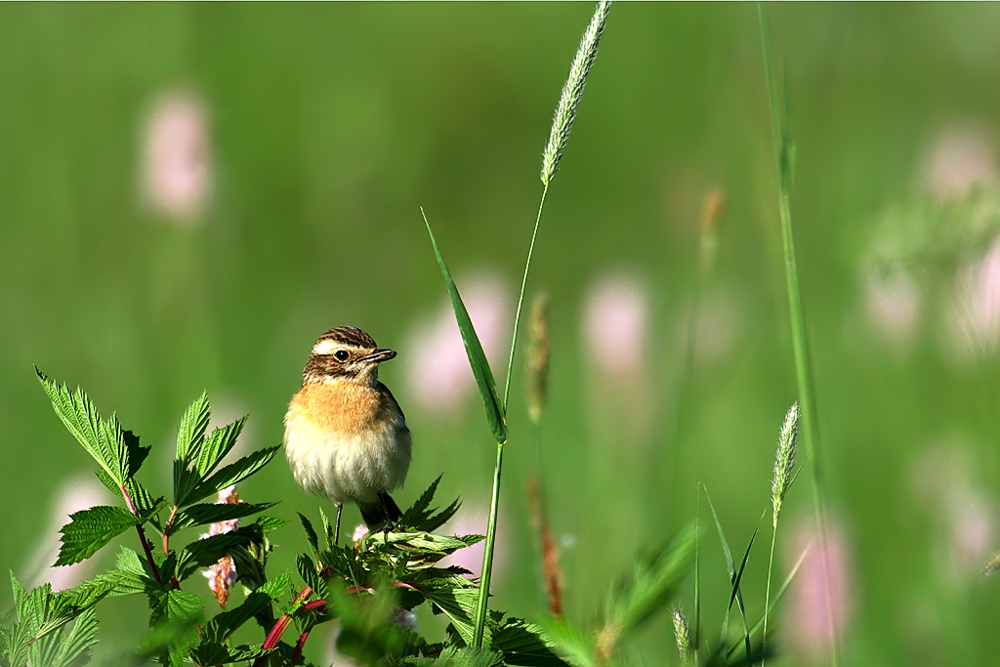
{"x":338,"y":354}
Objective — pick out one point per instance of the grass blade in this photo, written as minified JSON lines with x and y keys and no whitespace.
{"x":736,"y":583}
{"x":473,"y":348}
{"x":783,"y":154}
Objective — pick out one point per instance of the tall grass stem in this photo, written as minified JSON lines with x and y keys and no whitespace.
{"x":491,"y":533}
{"x":800,"y":347}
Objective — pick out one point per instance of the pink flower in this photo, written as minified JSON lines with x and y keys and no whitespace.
{"x":943,"y":482}
{"x":820,"y":592}
{"x":958,"y":159}
{"x":438,"y":371}
{"x":176,"y":171}
{"x":893,"y":305}
{"x":74,"y":496}
{"x":222,"y":574}
{"x":976,"y":322}
{"x":616,"y":323}
{"x":359,"y":532}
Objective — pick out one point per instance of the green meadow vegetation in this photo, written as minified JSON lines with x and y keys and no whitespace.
{"x":649,"y":457}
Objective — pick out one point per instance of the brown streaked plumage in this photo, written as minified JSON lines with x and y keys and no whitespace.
{"x":345,"y":435}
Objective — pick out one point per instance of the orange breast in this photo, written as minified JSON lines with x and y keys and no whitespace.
{"x":339,"y":407}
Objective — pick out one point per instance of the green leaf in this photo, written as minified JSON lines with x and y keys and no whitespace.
{"x":90,"y":530}
{"x":223,"y":625}
{"x":217,"y":445}
{"x":190,"y":440}
{"x":473,"y":348}
{"x":525,"y":644}
{"x":310,"y":533}
{"x":104,"y":441}
{"x":653,"y":584}
{"x":221,"y":654}
{"x":454,"y":595}
{"x":77,"y":642}
{"x":234,"y":473}
{"x":730,"y":566}
{"x":459,"y":657}
{"x":206,"y":513}
{"x":194,"y":423}
{"x":421,"y":517}
{"x":202,"y":553}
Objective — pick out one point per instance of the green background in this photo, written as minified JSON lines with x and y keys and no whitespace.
{"x":329,"y":125}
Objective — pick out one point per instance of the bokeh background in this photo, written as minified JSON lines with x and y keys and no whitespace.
{"x":191,"y":193}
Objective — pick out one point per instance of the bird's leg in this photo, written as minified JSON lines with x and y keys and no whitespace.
{"x":336,"y":532}
{"x":388,"y":521}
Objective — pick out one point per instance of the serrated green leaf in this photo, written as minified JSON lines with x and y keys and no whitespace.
{"x":525,"y":644}
{"x":217,"y":445}
{"x":269,"y":524}
{"x":206,"y":513}
{"x":311,"y":535}
{"x":459,"y":657}
{"x":221,"y":654}
{"x":233,"y":473}
{"x":194,"y":423}
{"x":455,"y":596}
{"x":421,"y":517}
{"x":102,"y":441}
{"x":473,"y":349}
{"x":90,"y":530}
{"x":78,"y":641}
{"x":202,"y":553}
{"x":223,"y":625}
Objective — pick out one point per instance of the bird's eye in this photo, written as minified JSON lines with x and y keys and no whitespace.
{"x":341,"y":355}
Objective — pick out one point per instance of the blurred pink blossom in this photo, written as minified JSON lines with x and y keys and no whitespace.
{"x":438,"y":371}
{"x":474,"y":522}
{"x":822,"y":586}
{"x":959,"y":158}
{"x":360,"y":531}
{"x":74,"y":496}
{"x":975,"y":325}
{"x":176,"y":170}
{"x":616,"y":323}
{"x":893,"y":305}
{"x":943,"y":482}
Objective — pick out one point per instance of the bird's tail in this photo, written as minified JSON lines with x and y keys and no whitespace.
{"x":382,"y":511}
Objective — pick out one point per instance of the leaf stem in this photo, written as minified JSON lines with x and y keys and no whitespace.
{"x":166,"y":531}
{"x":767,"y":594}
{"x":520,"y":300}
{"x":491,"y":534}
{"x":149,"y":554}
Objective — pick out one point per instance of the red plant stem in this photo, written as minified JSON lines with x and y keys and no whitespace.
{"x":166,"y":531}
{"x":274,"y":636}
{"x":299,"y":645}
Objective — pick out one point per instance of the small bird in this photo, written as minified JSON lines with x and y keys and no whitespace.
{"x":345,"y":435}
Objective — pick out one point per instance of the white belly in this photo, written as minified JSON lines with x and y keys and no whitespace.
{"x":347,"y":468}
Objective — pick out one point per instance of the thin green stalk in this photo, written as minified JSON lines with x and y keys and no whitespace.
{"x":491,"y":533}
{"x":697,"y":573}
{"x":803,"y":368}
{"x":767,"y":594}
{"x":520,"y":300}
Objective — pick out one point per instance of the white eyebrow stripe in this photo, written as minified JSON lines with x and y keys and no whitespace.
{"x":327,"y":347}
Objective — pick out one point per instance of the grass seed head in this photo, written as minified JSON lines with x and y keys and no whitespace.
{"x":784,"y":460}
{"x":539,"y":351}
{"x":683,"y":634}
{"x":572,"y":91}
{"x":992,"y":565}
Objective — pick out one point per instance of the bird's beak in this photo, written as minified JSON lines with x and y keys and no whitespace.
{"x":378,"y":356}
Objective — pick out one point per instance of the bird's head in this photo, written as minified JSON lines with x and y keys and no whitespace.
{"x":345,"y":354}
